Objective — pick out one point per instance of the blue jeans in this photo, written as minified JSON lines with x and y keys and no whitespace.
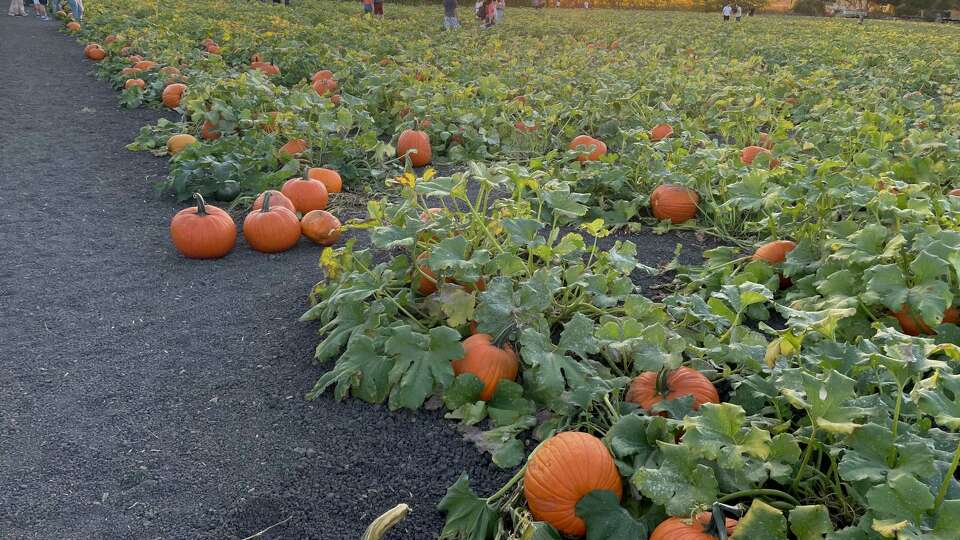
{"x":76,"y":8}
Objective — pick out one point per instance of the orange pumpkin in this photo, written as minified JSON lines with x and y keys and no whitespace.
{"x":425,"y":278}
{"x":94,"y":52}
{"x":209,"y":131}
{"x":129,"y":72}
{"x":674,"y":202}
{"x":271,"y":229}
{"x":256,"y":57}
{"x":335,"y":99}
{"x":913,"y":325}
{"x":651,"y":387}
{"x":325,"y":86}
{"x":277,"y":199}
{"x":145,"y":65}
{"x":203,"y":232}
{"x":320,"y":75}
{"x":213,"y":49}
{"x":699,"y":528}
{"x":73,"y":26}
{"x":488,"y":361}
{"x":206,"y":42}
{"x":176,"y":143}
{"x":588,"y":148}
{"x":774,"y":252}
{"x":305,"y":194}
{"x":110,"y":39}
{"x":170,"y":70}
{"x":954,"y":192}
{"x":321,"y":227}
{"x":294,"y":147}
{"x":330,"y":178}
{"x":416,"y":145}
{"x":660,"y":132}
{"x":267,"y":69}
{"x":750,"y":153}
{"x":172,"y":95}
{"x":561,"y":471}
{"x":134,"y":82}
{"x":522,"y":126}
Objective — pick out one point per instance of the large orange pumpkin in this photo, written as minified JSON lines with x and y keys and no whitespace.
{"x":134,"y":82}
{"x":651,"y":387}
{"x":561,"y":471}
{"x":589,"y":149}
{"x":913,"y":325}
{"x":489,"y":362}
{"x":699,"y":528}
{"x":320,"y":75}
{"x":661,"y":132}
{"x":330,"y":178}
{"x":750,"y":153}
{"x":325,"y":86}
{"x":774,"y":252}
{"x":321,"y":227}
{"x":203,"y":232}
{"x":271,"y":229}
{"x":177,"y":143}
{"x":277,"y":199}
{"x":674,"y":202}
{"x":416,"y":145}
{"x":172,"y":95}
{"x":305,"y":194}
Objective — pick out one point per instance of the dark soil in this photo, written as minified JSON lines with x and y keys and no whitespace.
{"x":144,"y":395}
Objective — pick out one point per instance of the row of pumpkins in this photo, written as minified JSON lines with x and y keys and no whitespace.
{"x":205,"y":231}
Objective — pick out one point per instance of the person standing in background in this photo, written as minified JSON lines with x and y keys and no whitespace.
{"x":739,"y":12}
{"x":40,"y":9}
{"x":501,"y":7}
{"x":727,"y":11}
{"x":16,"y":9}
{"x":367,"y":6}
{"x":378,"y":8}
{"x":450,"y":20}
{"x":76,"y":9}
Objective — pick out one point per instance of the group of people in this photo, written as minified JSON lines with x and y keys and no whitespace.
{"x":40,"y":9}
{"x":734,"y":10}
{"x":374,"y":7}
{"x":488,"y":12}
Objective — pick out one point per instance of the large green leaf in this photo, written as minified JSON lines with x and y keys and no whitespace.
{"x":680,"y":483}
{"x":468,"y":516}
{"x":606,"y":519}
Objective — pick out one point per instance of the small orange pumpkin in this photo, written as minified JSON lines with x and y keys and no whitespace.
{"x":588,"y":148}
{"x":750,"y":153}
{"x":203,"y":232}
{"x":774,"y":252}
{"x":172,"y":95}
{"x":294,"y":147}
{"x":206,"y":42}
{"x":325,"y":86}
{"x":73,"y":26}
{"x":699,"y":528}
{"x":561,"y":471}
{"x":321,"y":227}
{"x":913,"y":325}
{"x":134,"y":82}
{"x":110,"y":39}
{"x":213,"y":49}
{"x":176,"y":143}
{"x":277,"y":199}
{"x":425,"y":278}
{"x":674,"y":202}
{"x":145,"y":65}
{"x":489,"y":361}
{"x":660,"y":132}
{"x":330,"y":178}
{"x":271,"y":229}
{"x":305,"y":194}
{"x":522,"y":126}
{"x":651,"y":387}
{"x":335,"y":99}
{"x":209,"y":131}
{"x":416,"y":145}
{"x":266,"y":68}
{"x":320,"y":75}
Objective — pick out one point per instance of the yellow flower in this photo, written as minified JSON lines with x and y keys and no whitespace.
{"x":407,"y":179}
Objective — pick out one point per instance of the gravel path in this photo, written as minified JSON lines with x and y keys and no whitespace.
{"x":143,"y":395}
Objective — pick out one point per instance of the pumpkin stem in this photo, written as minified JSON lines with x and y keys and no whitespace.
{"x":201,"y":204}
{"x":266,"y":202}
{"x":663,"y":388}
{"x":501,"y":337}
{"x":718,"y":519}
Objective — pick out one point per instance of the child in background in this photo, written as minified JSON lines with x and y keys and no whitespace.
{"x":450,"y":20}
{"x":367,"y":6}
{"x":501,"y":7}
{"x":378,"y":8}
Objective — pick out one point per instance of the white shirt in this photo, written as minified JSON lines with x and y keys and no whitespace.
{"x":739,"y":11}
{"x":727,"y":10}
